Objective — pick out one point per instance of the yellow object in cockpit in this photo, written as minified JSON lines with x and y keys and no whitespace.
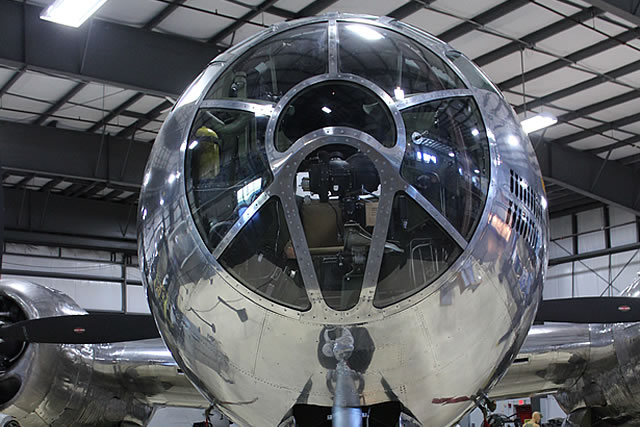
{"x":209,"y":157}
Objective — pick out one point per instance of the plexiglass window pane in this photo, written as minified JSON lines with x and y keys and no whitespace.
{"x":335,"y":103}
{"x":447,"y":159}
{"x":471,"y":72}
{"x":262,"y":258}
{"x":418,"y":251}
{"x":394,"y":62}
{"x":337,"y":188}
{"x":226,"y":169}
{"x":273,"y":67}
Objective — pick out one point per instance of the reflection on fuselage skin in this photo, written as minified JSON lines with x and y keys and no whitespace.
{"x":329,"y":218}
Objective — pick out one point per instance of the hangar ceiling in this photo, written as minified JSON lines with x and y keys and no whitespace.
{"x":80,"y":108}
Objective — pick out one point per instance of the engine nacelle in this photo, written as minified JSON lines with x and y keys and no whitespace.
{"x":55,"y":384}
{"x":609,"y":388}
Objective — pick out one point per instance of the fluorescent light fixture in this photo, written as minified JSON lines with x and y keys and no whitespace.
{"x":538,"y":122}
{"x":326,"y":109}
{"x":71,"y":12}
{"x":365,"y":31}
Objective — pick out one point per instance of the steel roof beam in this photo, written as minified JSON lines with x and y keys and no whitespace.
{"x":482,"y":19}
{"x":116,"y":112}
{"x":5,"y":87}
{"x":587,"y":84}
{"x":315,"y":7}
{"x":221,"y":35}
{"x":625,"y":9}
{"x":77,"y":154}
{"x":580,"y":55}
{"x":149,"y":117}
{"x":101,"y":51}
{"x":163,"y":14}
{"x":628,"y":141}
{"x":609,"y":182}
{"x":624,"y":121}
{"x":408,"y":9}
{"x":537,"y":36}
{"x":59,"y":103}
{"x":49,"y":218}
{"x":630,"y":160}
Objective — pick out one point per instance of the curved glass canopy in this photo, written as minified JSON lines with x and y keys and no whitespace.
{"x":264,"y":216}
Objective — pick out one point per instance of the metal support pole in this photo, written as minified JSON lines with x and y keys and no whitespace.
{"x":345,"y":411}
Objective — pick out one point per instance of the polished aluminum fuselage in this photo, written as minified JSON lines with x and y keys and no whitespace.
{"x":88,"y":385}
{"x":592,"y":367}
{"x":449,"y":342}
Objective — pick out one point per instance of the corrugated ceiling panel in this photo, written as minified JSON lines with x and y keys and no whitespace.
{"x":370,"y":7}
{"x":618,"y":111}
{"x":611,"y":59}
{"x":71,"y":124}
{"x":194,"y":24}
{"x":15,"y":116}
{"x":585,"y":123}
{"x":41,"y":86}
{"x":607,"y":27}
{"x":560,"y":130}
{"x":145,"y":104}
{"x":249,"y":29}
{"x":510,"y":65}
{"x":591,"y":96}
{"x":12,"y":102}
{"x":99,"y":96}
{"x":76,"y":111}
{"x":466,"y":9}
{"x":634,"y":127}
{"x":593,"y":141}
{"x":571,"y":40}
{"x":220,"y":6}
{"x":432,"y":22}
{"x":524,"y":20}
{"x":560,"y":6}
{"x":129,"y":12}
{"x":620,"y":20}
{"x":555,"y":81}
{"x":633,"y":78}
{"x":475,"y":44}
{"x":293,"y":5}
{"x":122,"y":121}
{"x":515,"y":99}
{"x":5,"y":75}
{"x":622,"y":152}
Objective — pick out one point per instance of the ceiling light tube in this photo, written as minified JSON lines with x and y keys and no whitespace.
{"x":538,"y":122}
{"x":71,"y":12}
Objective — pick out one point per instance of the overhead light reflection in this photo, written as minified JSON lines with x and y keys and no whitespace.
{"x":193,"y":144}
{"x":398,"y":93}
{"x":365,"y":31}
{"x":326,"y":109}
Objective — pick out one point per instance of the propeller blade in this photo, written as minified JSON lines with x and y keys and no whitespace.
{"x":82,"y":329}
{"x":590,"y":310}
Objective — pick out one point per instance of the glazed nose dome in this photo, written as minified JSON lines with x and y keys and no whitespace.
{"x":339,"y":157}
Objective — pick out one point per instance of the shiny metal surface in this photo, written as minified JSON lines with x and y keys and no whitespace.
{"x":433,"y":351}
{"x":87,"y":385}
